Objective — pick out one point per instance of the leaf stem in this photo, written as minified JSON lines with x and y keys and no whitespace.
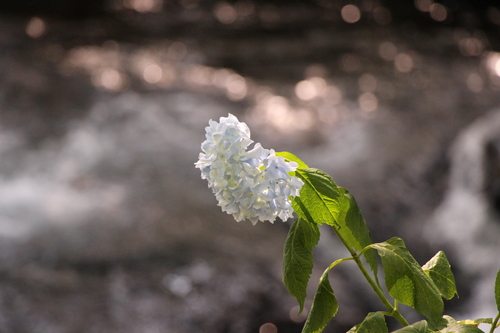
{"x":338,"y":261}
{"x":356,"y":257}
{"x":495,"y":323}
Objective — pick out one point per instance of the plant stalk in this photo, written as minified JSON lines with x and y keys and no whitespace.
{"x":495,"y":323}
{"x":392,"y":310}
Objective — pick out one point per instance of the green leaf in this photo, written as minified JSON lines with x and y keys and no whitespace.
{"x":438,"y":269}
{"x":444,"y":322}
{"x":418,"y":327}
{"x":324,"y":307}
{"x":482,"y":321}
{"x":373,"y":323}
{"x":297,"y":258}
{"x":319,"y":197}
{"x":460,"y":328}
{"x":476,"y":322}
{"x":353,"y":229}
{"x":292,"y":157}
{"x":497,"y":290}
{"x":450,"y":325}
{"x":406,"y":280}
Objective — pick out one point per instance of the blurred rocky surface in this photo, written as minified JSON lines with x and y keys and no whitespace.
{"x":106,"y":226}
{"x":468,"y":219}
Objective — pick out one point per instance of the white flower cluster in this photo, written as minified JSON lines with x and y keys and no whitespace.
{"x":253,"y":184}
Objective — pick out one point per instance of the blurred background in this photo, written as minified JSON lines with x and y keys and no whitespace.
{"x":105,"y":224}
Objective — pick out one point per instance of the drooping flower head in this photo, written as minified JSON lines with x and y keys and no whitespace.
{"x":248,"y":184}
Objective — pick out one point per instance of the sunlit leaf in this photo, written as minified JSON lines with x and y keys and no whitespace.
{"x":444,"y":322}
{"x":373,"y":323}
{"x":438,"y":269}
{"x":319,"y":197}
{"x":292,"y":157}
{"x":298,"y":260}
{"x":450,"y":325}
{"x":323,"y":309}
{"x":476,"y":322}
{"x":419,"y":327}
{"x":460,"y":328}
{"x":406,"y":280}
{"x":353,"y":229}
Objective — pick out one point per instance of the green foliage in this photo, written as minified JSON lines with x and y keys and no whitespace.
{"x":476,"y":322}
{"x":353,"y":229}
{"x":446,"y":325}
{"x":497,"y":290}
{"x":324,"y":307}
{"x":373,"y":323}
{"x":438,"y":269}
{"x":423,"y":288}
{"x":298,"y":260}
{"x":407,"y":282}
{"x":460,"y":328}
{"x":419,"y":327}
{"x":319,"y":197}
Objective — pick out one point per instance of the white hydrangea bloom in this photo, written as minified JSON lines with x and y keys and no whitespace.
{"x":253,"y":184}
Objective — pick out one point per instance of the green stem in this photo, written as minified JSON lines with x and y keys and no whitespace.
{"x":495,"y":323}
{"x":356,"y":257}
{"x":338,"y":261}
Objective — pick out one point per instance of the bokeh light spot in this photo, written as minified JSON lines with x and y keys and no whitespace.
{"x":236,"y":87}
{"x":169,"y":75}
{"x":368,"y":102}
{"x":319,"y":84}
{"x":387,"y":51}
{"x":350,"y":13}
{"x":424,"y":5}
{"x":471,"y":46}
{"x":367,"y":83}
{"x":333,"y":95}
{"x":177,"y":51}
{"x":109,"y":79}
{"x":403,"y":63}
{"x":474,"y":82}
{"x":201,"y":75}
{"x":244,"y":7}
{"x":179,"y":285}
{"x":297,"y":318}
{"x":268,"y":328}
{"x":221,"y":76}
{"x":311,"y":88}
{"x":36,"y":27}
{"x":305,"y":90}
{"x":152,"y":73}
{"x":493,"y":63}
{"x":438,"y":12}
{"x":143,"y":6}
{"x":225,"y":13}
